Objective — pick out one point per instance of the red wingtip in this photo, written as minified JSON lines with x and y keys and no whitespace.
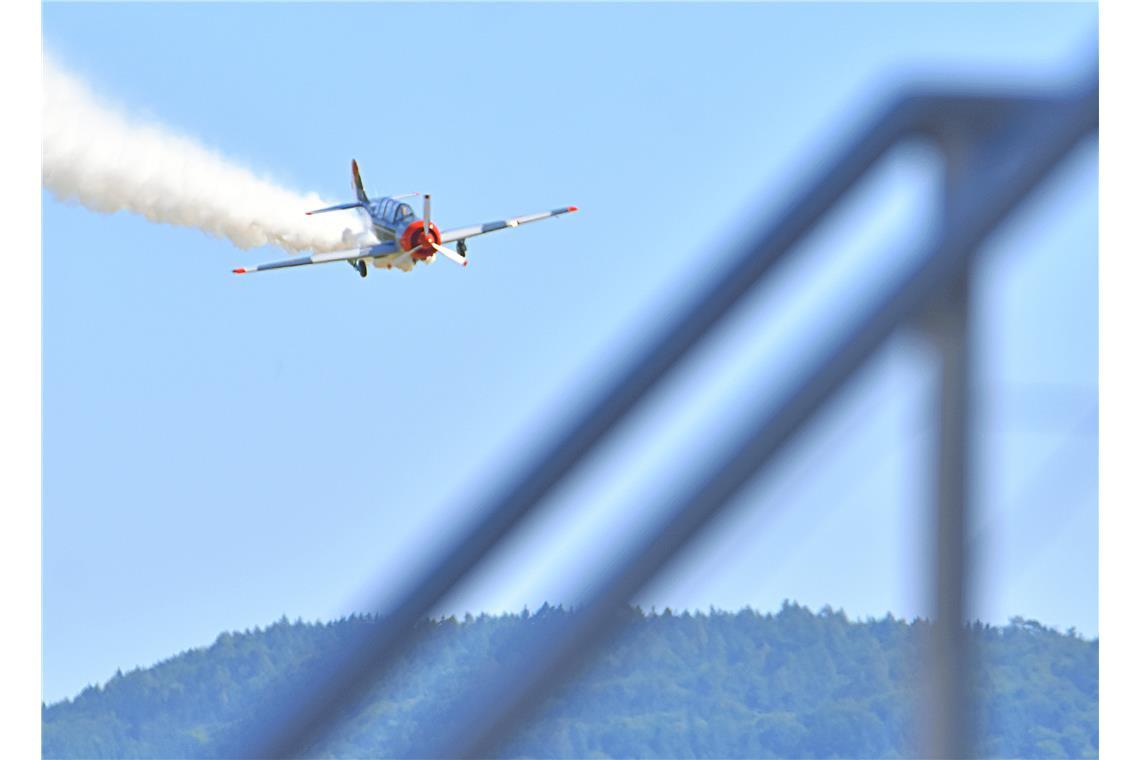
{"x":240,"y":270}
{"x":572,"y":208}
{"x":308,"y":213}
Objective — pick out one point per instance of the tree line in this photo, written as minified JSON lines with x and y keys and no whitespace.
{"x":794,"y":683}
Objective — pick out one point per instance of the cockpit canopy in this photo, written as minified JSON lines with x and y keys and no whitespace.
{"x":394,"y":212}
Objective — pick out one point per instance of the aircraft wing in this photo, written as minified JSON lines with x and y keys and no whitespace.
{"x":323,"y":258}
{"x":462,"y":233}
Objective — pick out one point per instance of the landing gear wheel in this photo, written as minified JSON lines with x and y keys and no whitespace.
{"x":461,"y":249}
{"x":362,"y":267}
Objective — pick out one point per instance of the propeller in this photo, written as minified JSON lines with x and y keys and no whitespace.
{"x":450,"y":254}
{"x":460,"y":260}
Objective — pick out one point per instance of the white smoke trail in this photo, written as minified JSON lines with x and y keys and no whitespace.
{"x":95,"y":155}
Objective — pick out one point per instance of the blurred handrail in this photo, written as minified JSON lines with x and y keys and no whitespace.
{"x":485,"y":722}
{"x":943,"y":118}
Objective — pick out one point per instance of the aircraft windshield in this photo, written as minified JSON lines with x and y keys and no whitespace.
{"x":404,"y":211}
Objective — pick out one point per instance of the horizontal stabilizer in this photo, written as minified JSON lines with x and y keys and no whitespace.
{"x":338,"y":207}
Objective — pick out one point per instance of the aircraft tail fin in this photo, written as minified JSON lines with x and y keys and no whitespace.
{"x":357,"y":184}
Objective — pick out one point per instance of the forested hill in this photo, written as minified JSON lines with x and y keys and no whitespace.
{"x":791,"y":684}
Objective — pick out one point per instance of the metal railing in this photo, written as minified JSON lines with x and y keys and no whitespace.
{"x":997,"y":148}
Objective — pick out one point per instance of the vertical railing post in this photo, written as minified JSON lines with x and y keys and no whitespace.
{"x":949,"y":726}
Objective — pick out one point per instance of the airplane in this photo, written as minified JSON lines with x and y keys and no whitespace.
{"x":405,"y":239}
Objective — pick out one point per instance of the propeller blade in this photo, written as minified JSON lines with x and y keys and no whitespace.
{"x":450,"y":254}
{"x":427,"y":213}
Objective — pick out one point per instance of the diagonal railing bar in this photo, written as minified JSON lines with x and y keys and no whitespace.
{"x":298,"y":725}
{"x":506,"y":697}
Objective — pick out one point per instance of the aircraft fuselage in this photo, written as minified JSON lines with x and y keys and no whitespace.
{"x":396,"y":221}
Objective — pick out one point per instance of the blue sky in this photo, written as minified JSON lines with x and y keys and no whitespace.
{"x":219,"y":451}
